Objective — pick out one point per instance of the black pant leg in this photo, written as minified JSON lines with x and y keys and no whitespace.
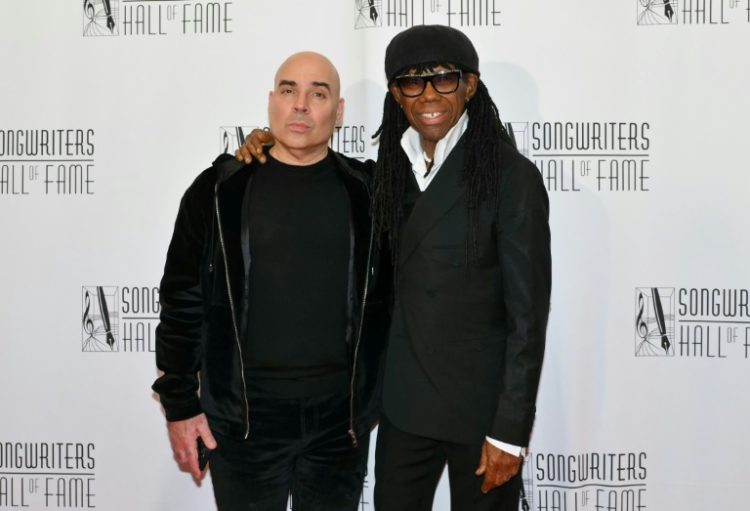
{"x":407,"y":469}
{"x":329,"y":471}
{"x":256,"y":474}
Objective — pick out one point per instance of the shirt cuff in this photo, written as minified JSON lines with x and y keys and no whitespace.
{"x":515,"y":450}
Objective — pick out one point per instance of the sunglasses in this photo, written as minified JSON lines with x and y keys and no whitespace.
{"x":444,"y":82}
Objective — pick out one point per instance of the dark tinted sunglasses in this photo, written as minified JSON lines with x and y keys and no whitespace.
{"x":443,"y":82}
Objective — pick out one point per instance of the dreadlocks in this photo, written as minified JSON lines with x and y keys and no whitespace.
{"x":481,"y":172}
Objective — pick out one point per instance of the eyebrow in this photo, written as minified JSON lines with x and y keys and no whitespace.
{"x":322,"y":84}
{"x":292,"y":83}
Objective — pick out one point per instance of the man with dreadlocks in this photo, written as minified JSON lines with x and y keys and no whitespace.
{"x":467,"y":216}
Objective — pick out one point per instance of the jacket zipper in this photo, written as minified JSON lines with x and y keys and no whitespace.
{"x":352,"y":434}
{"x":232,"y":310}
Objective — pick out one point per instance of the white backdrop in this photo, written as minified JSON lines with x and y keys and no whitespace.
{"x":637,"y":120}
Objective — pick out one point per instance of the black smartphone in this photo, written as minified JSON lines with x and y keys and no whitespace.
{"x":203,"y":454}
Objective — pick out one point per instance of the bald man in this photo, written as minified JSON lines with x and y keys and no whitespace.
{"x":268,"y":353}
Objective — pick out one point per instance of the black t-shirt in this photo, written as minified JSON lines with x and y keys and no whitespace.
{"x":299,"y":246}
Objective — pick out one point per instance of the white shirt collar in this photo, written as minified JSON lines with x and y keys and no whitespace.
{"x":413,"y":149}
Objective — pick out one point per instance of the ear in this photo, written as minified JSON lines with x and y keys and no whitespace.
{"x":472,"y":81}
{"x":340,"y":112}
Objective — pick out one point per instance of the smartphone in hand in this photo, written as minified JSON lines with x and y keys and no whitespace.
{"x":203,"y":454}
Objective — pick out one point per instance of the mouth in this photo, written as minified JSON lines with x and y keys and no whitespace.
{"x":431,"y":117}
{"x":298,"y":126}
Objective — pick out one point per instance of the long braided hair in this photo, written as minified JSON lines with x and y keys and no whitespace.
{"x":481,"y":172}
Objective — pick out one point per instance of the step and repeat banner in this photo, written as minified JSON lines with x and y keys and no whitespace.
{"x":634,"y":111}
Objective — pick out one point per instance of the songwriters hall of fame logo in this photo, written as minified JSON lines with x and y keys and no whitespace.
{"x":368,"y":13}
{"x":100,"y":319}
{"x":409,"y":13}
{"x":654,"y":322}
{"x":156,"y":17}
{"x":693,"y":12}
{"x":692,"y":322}
{"x":657,"y":12}
{"x":100,"y":17}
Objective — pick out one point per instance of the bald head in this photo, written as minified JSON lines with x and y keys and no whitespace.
{"x":311,"y":64}
{"x":304,"y":107}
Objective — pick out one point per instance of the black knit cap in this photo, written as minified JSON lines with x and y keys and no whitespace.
{"x":424,"y":44}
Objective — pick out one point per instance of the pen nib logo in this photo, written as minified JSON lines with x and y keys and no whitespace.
{"x":99,"y":325}
{"x":654,"y":322}
{"x":657,"y":12}
{"x":100,"y":17}
{"x":368,"y":13}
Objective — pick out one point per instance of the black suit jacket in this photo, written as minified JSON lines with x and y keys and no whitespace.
{"x":467,"y":340}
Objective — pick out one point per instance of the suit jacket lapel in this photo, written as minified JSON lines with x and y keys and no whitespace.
{"x":435,"y":201}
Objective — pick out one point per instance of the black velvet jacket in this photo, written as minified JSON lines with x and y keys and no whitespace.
{"x":201,"y":337}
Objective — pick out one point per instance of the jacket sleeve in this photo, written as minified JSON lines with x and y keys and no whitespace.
{"x":523,"y":238}
{"x":179,"y":334}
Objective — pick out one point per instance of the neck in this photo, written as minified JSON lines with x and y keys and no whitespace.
{"x":293,"y":156}
{"x":428,"y":147}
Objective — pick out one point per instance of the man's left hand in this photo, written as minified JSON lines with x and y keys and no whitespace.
{"x":497,"y":466}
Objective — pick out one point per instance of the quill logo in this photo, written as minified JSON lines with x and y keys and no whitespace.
{"x":100,"y":326}
{"x":657,"y":12}
{"x":654,"y":322}
{"x":100,"y":17}
{"x":368,"y":13}
{"x":119,"y":318}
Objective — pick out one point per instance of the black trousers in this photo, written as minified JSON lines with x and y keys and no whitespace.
{"x":295,"y":446}
{"x":408,"y":468}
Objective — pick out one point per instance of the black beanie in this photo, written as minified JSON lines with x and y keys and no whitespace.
{"x":423,"y":44}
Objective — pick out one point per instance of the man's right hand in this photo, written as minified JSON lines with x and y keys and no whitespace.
{"x":253,"y":146}
{"x":183,"y":435}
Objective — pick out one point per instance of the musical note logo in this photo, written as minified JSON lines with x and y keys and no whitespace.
{"x":654,"y":322}
{"x":98,"y":324}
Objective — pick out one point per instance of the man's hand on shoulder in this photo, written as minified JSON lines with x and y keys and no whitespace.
{"x":497,"y":466}
{"x":183,"y":435}
{"x":253,"y":146}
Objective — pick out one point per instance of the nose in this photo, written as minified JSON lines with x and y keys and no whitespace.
{"x":429,"y":93}
{"x":301,"y":104}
